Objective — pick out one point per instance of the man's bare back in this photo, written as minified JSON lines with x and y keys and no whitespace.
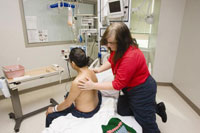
{"x":87,"y":100}
{"x":84,"y":101}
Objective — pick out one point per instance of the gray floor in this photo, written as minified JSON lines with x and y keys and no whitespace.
{"x":181,"y":118}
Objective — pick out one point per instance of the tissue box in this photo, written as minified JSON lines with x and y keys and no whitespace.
{"x":13,"y":71}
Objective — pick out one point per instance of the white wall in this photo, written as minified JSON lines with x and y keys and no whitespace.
{"x":169,"y":28}
{"x":187,"y":68}
{"x":154,"y":33}
{"x":12,"y":43}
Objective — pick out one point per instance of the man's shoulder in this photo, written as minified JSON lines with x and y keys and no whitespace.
{"x":74,"y":84}
{"x":77,"y":79}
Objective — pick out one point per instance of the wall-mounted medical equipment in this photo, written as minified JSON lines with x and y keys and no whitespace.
{"x":88,"y":31}
{"x":102,"y":30}
{"x":87,"y":21}
{"x":115,"y":8}
{"x":65,"y":52}
{"x":149,"y":17}
{"x":110,"y":11}
{"x":61,"y":4}
{"x":70,"y":16}
{"x":88,"y":26}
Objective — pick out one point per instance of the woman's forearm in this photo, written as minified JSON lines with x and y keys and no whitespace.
{"x":103,"y":86}
{"x":105,"y":66}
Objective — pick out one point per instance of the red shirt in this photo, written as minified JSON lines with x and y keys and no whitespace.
{"x":130,"y":70}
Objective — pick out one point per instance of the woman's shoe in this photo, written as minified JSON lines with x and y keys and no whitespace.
{"x":161,"y":111}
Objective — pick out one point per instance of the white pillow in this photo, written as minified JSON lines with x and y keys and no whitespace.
{"x":107,"y":76}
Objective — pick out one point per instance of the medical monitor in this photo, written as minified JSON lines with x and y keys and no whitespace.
{"x":115,"y":8}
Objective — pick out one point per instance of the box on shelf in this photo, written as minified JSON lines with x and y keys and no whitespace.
{"x":13,"y":71}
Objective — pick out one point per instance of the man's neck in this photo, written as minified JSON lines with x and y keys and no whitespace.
{"x":82,"y":69}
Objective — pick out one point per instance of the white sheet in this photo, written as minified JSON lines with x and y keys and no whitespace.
{"x":107,"y":76}
{"x":71,"y":124}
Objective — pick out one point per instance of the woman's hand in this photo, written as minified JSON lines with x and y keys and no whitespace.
{"x":49,"y":110}
{"x":87,"y":84}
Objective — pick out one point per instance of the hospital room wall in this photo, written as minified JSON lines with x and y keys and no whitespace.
{"x":187,"y":67}
{"x":12,"y":46}
{"x":12,"y":41}
{"x":169,"y":30}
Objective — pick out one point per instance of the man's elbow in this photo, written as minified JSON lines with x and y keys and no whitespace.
{"x":67,"y":104}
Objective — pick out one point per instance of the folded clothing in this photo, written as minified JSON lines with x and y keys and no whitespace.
{"x":115,"y":125}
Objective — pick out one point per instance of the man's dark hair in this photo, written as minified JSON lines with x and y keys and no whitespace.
{"x":78,"y":56}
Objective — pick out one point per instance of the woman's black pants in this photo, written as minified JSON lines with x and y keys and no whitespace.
{"x":140,"y":102}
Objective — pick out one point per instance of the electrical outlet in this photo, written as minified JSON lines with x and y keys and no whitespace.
{"x":65,"y":54}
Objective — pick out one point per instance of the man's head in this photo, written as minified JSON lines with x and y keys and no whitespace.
{"x":78,"y":56}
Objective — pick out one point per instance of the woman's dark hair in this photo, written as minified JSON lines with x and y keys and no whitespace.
{"x":78,"y":56}
{"x":122,"y":37}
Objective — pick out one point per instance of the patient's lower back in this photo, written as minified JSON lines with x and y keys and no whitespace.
{"x":87,"y":101}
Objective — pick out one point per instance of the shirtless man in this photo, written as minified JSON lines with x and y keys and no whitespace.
{"x":80,"y":103}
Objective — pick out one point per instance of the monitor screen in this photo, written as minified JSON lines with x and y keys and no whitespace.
{"x":115,"y":9}
{"x":114,"y":6}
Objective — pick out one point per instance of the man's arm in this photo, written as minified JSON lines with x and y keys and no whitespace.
{"x":73,"y":94}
